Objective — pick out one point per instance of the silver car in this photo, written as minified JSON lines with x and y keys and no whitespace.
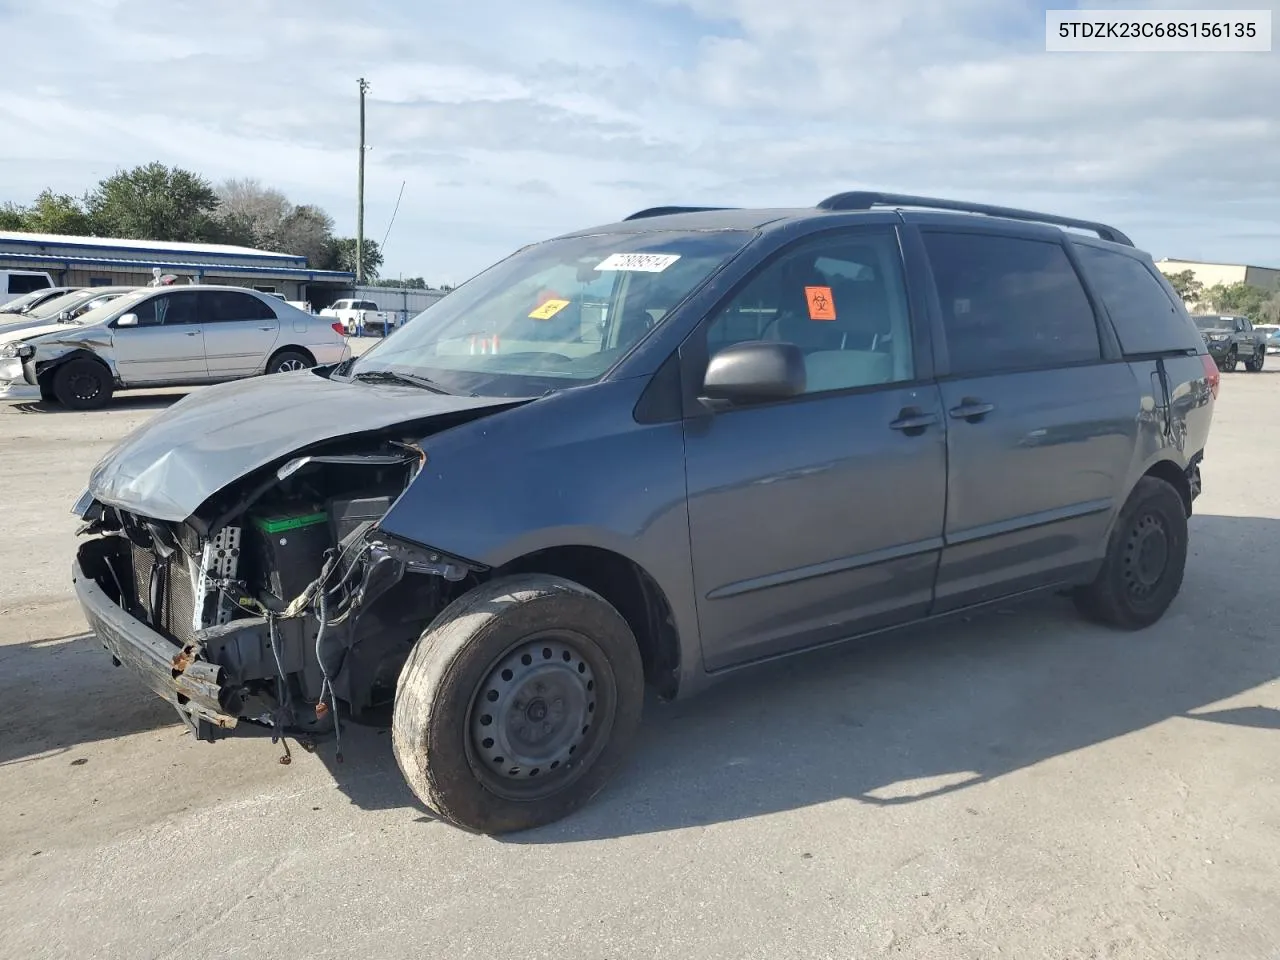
{"x":166,"y":336}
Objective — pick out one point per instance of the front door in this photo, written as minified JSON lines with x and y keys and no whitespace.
{"x":1040,"y":430}
{"x":819,"y":517}
{"x":240,"y":331}
{"x":167,"y":345}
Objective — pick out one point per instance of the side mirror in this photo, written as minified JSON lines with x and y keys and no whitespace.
{"x":64,"y":315}
{"x":758,"y":370}
{"x":127,"y":320}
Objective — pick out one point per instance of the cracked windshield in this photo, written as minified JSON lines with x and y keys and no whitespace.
{"x":557,"y":313}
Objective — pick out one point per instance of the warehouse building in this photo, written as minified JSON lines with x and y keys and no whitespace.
{"x":104,"y":261}
{"x":1212,"y":274}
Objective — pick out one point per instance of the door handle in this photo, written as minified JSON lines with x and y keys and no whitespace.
{"x":912,"y":421}
{"x":266,"y":329}
{"x":193,"y":333}
{"x":971,"y":409}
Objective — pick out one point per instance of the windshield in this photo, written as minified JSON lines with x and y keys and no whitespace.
{"x":54,"y":306}
{"x":1213,"y":323}
{"x":18,"y":304}
{"x":553,"y":315}
{"x":114,"y":306}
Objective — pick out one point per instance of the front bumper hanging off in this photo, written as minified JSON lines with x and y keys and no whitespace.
{"x":193,"y":686}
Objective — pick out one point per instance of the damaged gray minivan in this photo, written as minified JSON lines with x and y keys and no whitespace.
{"x":654,"y":451}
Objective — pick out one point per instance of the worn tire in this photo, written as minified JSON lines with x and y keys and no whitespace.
{"x":82,"y":384}
{"x":287,"y":360}
{"x":1121,"y":594}
{"x":456,"y":661}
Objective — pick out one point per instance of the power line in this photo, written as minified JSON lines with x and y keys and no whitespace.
{"x":383,"y":246}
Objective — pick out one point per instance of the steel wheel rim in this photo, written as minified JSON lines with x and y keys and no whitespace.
{"x":1146,"y":556}
{"x":287,"y":366}
{"x":85,"y":387}
{"x":540,"y":715}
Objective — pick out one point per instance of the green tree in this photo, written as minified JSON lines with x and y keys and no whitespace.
{"x":155,"y":202}
{"x":1186,"y":285}
{"x":1238,"y":298}
{"x":13,"y":217}
{"x":59,"y":213}
{"x":405,"y":283}
{"x":343,"y":257}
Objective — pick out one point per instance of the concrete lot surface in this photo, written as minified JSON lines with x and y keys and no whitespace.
{"x":1021,"y":785}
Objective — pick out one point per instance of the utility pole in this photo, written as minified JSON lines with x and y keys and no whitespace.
{"x":364,"y":88}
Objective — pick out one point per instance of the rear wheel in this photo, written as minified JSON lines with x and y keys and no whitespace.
{"x":288,"y":360}
{"x":82,"y":384}
{"x":1145,"y":561}
{"x":517,"y":704}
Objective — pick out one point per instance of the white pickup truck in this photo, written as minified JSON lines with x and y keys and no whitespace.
{"x":361,"y":317}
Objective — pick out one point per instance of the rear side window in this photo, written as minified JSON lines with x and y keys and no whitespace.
{"x":1145,"y":317}
{"x":27,"y":283}
{"x":227,"y":306}
{"x":1010,"y":303}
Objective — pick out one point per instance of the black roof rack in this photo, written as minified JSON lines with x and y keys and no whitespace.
{"x":865,"y":200}
{"x":663,"y":211}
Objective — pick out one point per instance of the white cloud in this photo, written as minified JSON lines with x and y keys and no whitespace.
{"x":511,"y":121}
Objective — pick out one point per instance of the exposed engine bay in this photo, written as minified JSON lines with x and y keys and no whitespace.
{"x":283,"y":600}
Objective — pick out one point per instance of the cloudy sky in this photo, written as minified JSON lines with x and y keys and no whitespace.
{"x":509,"y":120}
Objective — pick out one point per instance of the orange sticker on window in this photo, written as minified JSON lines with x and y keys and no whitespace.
{"x":822,"y":305}
{"x":548,"y":309}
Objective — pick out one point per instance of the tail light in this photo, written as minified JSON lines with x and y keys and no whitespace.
{"x":341,"y":330}
{"x":1211,"y":374}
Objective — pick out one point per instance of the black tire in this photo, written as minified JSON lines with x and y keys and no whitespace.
{"x":1228,"y":363}
{"x":1256,"y":362}
{"x":1145,"y":561}
{"x":46,"y":390}
{"x":82,"y":384}
{"x":519,"y":636}
{"x":287,"y":360}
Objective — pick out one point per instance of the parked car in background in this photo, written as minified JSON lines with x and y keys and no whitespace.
{"x":62,"y":309}
{"x":1231,"y":339}
{"x":16,"y":283}
{"x":163,"y":336}
{"x":1271,"y":335}
{"x":28,"y":301}
{"x":361,"y":317}
{"x":691,"y":442}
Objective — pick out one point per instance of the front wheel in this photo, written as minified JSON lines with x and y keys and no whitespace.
{"x":1228,"y":363}
{"x":1145,"y":560}
{"x":82,"y":384}
{"x":1257,"y":362}
{"x":517,"y":704}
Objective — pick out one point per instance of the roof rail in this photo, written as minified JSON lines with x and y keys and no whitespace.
{"x":865,"y":200}
{"x":663,"y":211}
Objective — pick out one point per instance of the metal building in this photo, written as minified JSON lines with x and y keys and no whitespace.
{"x":105,"y":261}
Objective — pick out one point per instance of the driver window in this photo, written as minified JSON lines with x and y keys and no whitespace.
{"x":167,"y":310}
{"x":842,"y":300}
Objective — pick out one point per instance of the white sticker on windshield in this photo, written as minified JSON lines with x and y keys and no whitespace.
{"x":643,"y":262}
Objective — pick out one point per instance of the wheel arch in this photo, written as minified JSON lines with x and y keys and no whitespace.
{"x":289,"y":348}
{"x":632,"y":591}
{"x":1175,"y":476}
{"x":47,"y":368}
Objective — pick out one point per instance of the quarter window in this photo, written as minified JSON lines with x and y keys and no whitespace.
{"x":841,"y":300}
{"x":1145,"y":317}
{"x":1010,"y":303}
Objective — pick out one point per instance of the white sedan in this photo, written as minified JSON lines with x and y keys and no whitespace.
{"x":162,"y":337}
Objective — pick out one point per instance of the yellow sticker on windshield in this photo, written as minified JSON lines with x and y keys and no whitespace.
{"x":548,"y":309}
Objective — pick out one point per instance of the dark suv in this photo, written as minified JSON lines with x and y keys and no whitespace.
{"x":658,"y":450}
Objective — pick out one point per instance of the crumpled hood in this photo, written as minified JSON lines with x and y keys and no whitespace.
{"x":170,"y":465}
{"x":25,"y":329}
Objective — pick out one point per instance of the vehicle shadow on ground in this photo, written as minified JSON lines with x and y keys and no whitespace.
{"x":921,"y":714}
{"x":145,"y":401}
{"x":62,"y":692}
